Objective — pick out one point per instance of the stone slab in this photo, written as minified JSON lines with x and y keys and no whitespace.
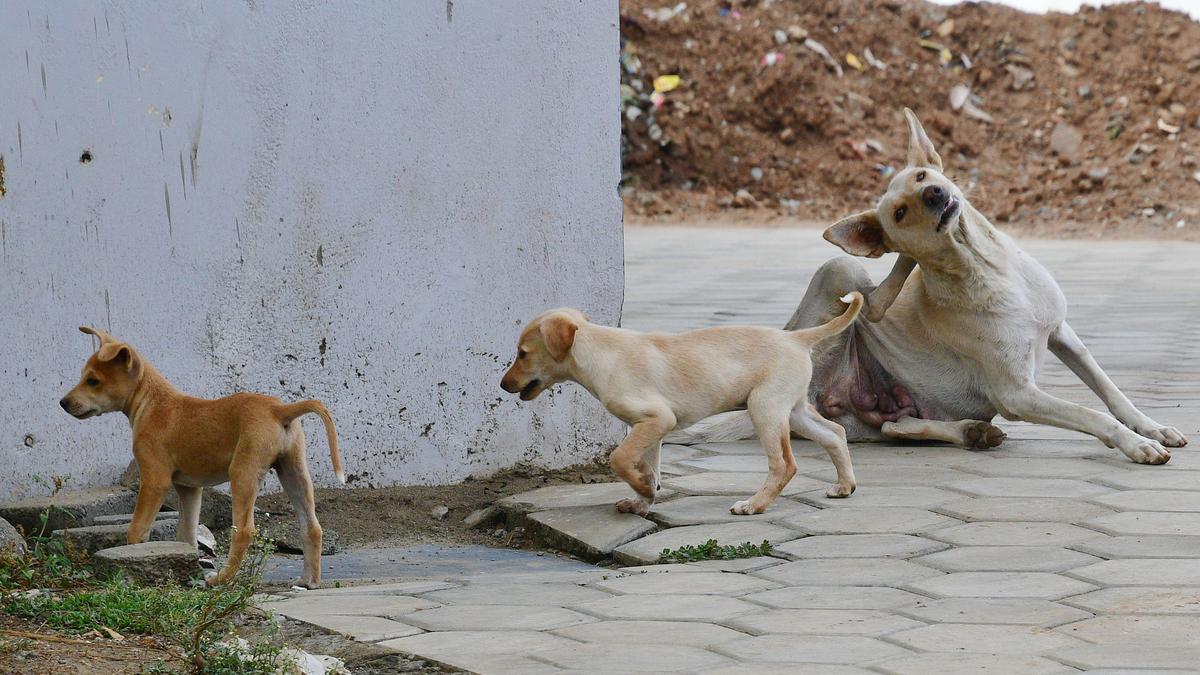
{"x":153,"y":562}
{"x":1037,"y":467}
{"x":388,"y":606}
{"x":1148,"y":522}
{"x":809,"y":649}
{"x":1142,"y":546}
{"x":837,"y":597}
{"x":1169,"y":631}
{"x":822,"y":622}
{"x":494,"y":617}
{"x":690,"y":633}
{"x":747,"y":463}
{"x":590,"y":532}
{"x":126,"y":518}
{"x":1139,"y":480}
{"x":1041,"y":585}
{"x":744,"y":667}
{"x":847,"y":572}
{"x":363,"y":628}
{"x":11,"y":540}
{"x":446,"y":645}
{"x":483,"y":592}
{"x":1176,"y":600}
{"x":999,"y":486}
{"x":633,"y":658}
{"x":958,"y":664}
{"x":1019,"y":611}
{"x":1152,"y":500}
{"x":868,"y":520}
{"x":92,"y":538}
{"x":715,"y":583}
{"x":983,"y":639}
{"x":914,"y":496}
{"x":1014,"y":534}
{"x":711,"y":608}
{"x":647,"y":549}
{"x":564,"y":496}
{"x":1007,"y":559}
{"x":859,"y":546}
{"x":1129,"y":656}
{"x":931,"y":475}
{"x":735,"y":484}
{"x":67,"y":509}
{"x":703,"y":510}
{"x":1027,"y":509}
{"x":1141,"y":572}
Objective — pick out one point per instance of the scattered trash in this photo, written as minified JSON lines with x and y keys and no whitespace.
{"x":824,"y":53}
{"x":797,"y":33}
{"x":781,"y":37}
{"x":875,"y":63}
{"x":665,"y":83}
{"x":945,"y":56}
{"x":854,"y":63}
{"x":666,"y":13}
{"x":1022,"y":77}
{"x":1164,"y":127}
{"x":771,"y":58}
{"x":960,"y":99}
{"x":946,"y":28}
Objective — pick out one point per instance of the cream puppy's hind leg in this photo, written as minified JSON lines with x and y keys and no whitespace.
{"x":772,"y":428}
{"x":807,"y":422}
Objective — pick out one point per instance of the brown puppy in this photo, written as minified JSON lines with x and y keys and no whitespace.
{"x":657,"y":382}
{"x":192,"y":443}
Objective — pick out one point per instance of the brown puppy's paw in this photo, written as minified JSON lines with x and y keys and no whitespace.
{"x":983,"y":435}
{"x":637,"y":506}
{"x":839,"y":491}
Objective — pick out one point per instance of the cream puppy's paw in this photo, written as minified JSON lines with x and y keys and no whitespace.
{"x":638,"y":506}
{"x":746,"y":508}
{"x":839,"y":491}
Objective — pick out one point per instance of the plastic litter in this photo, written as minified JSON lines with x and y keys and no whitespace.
{"x":665,"y":83}
{"x":944,"y":53}
{"x":824,"y":54}
{"x":771,"y":58}
{"x":854,"y":62}
{"x":875,"y":63}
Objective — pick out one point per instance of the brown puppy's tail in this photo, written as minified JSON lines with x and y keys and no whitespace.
{"x":838,"y":324}
{"x":290,"y":411}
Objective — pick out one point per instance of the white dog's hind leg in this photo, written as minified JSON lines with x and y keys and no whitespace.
{"x":1069,"y":349}
{"x":965,"y":433}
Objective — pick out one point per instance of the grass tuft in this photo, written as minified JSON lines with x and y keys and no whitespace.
{"x":711,"y":550}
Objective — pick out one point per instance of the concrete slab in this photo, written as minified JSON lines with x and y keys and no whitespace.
{"x":747,"y":463}
{"x":847,"y":572}
{"x":634,"y":658}
{"x":809,"y":649}
{"x":363,"y":628}
{"x":564,"y":496}
{"x":869,"y":475}
{"x":1138,"y":480}
{"x":390,"y":606}
{"x":69,"y":508}
{"x":1030,"y":487}
{"x":590,"y":532}
{"x":1129,"y":656}
{"x":1152,"y":500}
{"x":1169,"y":631}
{"x":983,"y":639}
{"x":703,"y":583}
{"x":689,"y":633}
{"x":494,"y":617}
{"x":447,"y":645}
{"x":703,"y":510}
{"x":1018,"y":611}
{"x":837,"y":597}
{"x":914,"y":496}
{"x":647,"y":549}
{"x":1175,"y":600}
{"x":1140,"y":572}
{"x":483,"y":592}
{"x":822,"y":622}
{"x":1147,"y":522}
{"x":1142,"y":546}
{"x":735,"y":484}
{"x":1014,"y":534}
{"x":868,"y":520}
{"x":1039,"y":467}
{"x":859,"y":546}
{"x":957,"y":664}
{"x":1007,"y":559}
{"x":92,"y":538}
{"x":152,"y":562}
{"x":1027,"y":509}
{"x":744,"y":667}
{"x":710,"y":608}
{"x":1042,"y":585}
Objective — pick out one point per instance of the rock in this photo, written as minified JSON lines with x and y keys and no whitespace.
{"x":205,"y":540}
{"x":96,"y":537}
{"x":1065,"y":140}
{"x":483,"y":517}
{"x":440,"y":512}
{"x":151,"y":563}
{"x":286,"y":535}
{"x":11,"y":541}
{"x":126,"y":518}
{"x":743,"y":199}
{"x":67,"y":509}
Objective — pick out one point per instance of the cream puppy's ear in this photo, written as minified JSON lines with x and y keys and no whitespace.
{"x":860,"y":234}
{"x":558,"y":334}
{"x":920,"y":148}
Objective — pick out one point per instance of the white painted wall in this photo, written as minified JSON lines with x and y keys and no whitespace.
{"x":356,"y":201}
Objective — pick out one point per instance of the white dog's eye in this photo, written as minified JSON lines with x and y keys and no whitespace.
{"x":920,"y":176}
{"x":899,"y":215}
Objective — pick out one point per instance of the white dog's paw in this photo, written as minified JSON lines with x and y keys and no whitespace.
{"x":839,"y":491}
{"x":1146,"y":451}
{"x":1168,"y":436}
{"x":745,"y":508}
{"x":639,"y":506}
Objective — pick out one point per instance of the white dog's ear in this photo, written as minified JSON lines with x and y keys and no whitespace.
{"x":859,"y":234}
{"x":920,"y":148}
{"x":558,"y":334}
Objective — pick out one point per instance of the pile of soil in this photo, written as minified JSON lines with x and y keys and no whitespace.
{"x":1094,"y":116}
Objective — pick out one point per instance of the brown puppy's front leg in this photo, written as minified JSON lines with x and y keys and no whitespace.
{"x":155,"y":481}
{"x":245,"y":490}
{"x":628,"y":461}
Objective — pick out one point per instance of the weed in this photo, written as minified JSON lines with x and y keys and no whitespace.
{"x":711,"y":550}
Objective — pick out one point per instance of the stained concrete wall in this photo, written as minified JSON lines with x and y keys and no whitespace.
{"x":360,"y":202}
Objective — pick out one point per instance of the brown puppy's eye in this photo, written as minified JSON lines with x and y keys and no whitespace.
{"x":91,"y":382}
{"x":899,"y":215}
{"x":920,"y":176}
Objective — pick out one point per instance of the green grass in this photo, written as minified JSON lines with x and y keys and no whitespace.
{"x":711,"y":550}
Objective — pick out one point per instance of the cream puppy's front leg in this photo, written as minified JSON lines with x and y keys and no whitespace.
{"x":629,"y":461}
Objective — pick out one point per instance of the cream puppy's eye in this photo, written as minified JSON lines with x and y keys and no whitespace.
{"x":920,"y":176}
{"x":521,"y":353}
{"x":899,"y":214}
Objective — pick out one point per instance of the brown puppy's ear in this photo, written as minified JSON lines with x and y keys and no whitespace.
{"x":103,"y":336}
{"x":558,"y":333}
{"x":117,"y":353}
{"x":859,"y":234}
{"x":920,"y":148}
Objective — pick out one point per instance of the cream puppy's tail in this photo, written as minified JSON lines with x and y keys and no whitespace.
{"x":838,"y":324}
{"x":289,"y":412}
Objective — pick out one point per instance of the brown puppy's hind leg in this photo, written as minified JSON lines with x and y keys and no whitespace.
{"x":628,"y":461}
{"x":246,"y":476}
{"x":292,"y":470}
{"x":189,"y":513}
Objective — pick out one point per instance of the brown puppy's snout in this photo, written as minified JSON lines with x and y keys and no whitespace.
{"x":933,"y":196}
{"x":65,"y":403}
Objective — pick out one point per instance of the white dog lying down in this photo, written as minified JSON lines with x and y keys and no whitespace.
{"x":657,"y":382}
{"x":963,"y":340}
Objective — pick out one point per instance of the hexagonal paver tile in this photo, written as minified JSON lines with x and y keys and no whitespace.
{"x":1007,"y":559}
{"x":1130,"y":656}
{"x":1145,"y":546}
{"x":837,"y":597}
{"x":363,"y":628}
{"x":484,"y":593}
{"x":983,"y":639}
{"x":744,"y":667}
{"x":635,"y":658}
{"x":447,"y":644}
{"x":647,"y":549}
{"x":675,"y":453}
{"x":383,"y":605}
{"x":809,"y":649}
{"x":1177,"y":600}
{"x":1002,"y":585}
{"x":737,"y":564}
{"x":957,"y":664}
{"x":1014,"y":534}
{"x":690,"y":633}
{"x":1026,"y":509}
{"x":859,"y":546}
{"x":1152,"y":500}
{"x":734,"y":484}
{"x":1176,"y":631}
{"x":590,"y":532}
{"x":1030,"y":487}
{"x":822,"y":622}
{"x":667,"y":607}
{"x":1149,"y":480}
{"x":1019,"y":611}
{"x":914,"y":496}
{"x":703,"y":510}
{"x":1141,"y":572}
{"x":1148,"y":522}
{"x":847,"y":572}
{"x":701,"y":583}
{"x":748,"y":463}
{"x":934,"y":475}
{"x":565,"y":496}
{"x":752,"y":447}
{"x":868,"y":520}
{"x":1040,"y":467}
{"x":494,"y":617}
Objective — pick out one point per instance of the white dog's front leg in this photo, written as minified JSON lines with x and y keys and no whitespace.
{"x":1027,"y":402}
{"x":1069,"y":349}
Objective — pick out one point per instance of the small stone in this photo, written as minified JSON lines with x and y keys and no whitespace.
{"x":1098,"y":174}
{"x":743,"y":199}
{"x":96,"y":537}
{"x":483,"y":517}
{"x":797,"y":33}
{"x":1084,"y":91}
{"x":10,"y":540}
{"x":756,"y":173}
{"x":1065,"y":140}
{"x":1193,"y":65}
{"x":781,"y":37}
{"x":150,"y":563}
{"x":440,"y":512}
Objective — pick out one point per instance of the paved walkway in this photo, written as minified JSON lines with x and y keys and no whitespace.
{"x":1049,"y":554}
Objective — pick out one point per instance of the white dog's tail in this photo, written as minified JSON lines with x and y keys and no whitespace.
{"x":837,"y":324}
{"x":730,"y":426}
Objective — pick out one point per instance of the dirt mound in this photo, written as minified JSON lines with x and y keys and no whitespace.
{"x":1073,"y":124}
